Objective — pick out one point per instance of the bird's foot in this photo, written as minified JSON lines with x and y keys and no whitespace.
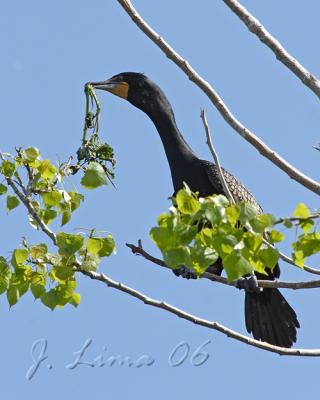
{"x":249,"y":283}
{"x":185,"y":272}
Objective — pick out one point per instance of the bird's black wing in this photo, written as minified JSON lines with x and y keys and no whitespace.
{"x":237,"y":189}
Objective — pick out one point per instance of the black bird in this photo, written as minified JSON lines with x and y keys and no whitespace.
{"x":267,"y":314}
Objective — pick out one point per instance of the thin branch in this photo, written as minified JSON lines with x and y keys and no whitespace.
{"x":216,"y":100}
{"x":215,"y":156}
{"x":199,"y":321}
{"x":26,"y":201}
{"x":297,"y":219}
{"x":280,"y":52}
{"x":266,"y":284}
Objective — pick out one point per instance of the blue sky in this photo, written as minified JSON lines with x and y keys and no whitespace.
{"x":49,"y":50}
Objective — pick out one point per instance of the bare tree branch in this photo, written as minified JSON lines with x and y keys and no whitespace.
{"x":215,"y":156}
{"x":199,"y":321}
{"x":248,"y":135}
{"x":280,"y":52}
{"x":217,"y":278}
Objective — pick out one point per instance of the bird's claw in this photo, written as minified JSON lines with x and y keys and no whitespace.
{"x":185,"y":272}
{"x":249,"y":283}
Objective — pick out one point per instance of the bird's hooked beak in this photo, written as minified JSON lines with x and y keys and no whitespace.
{"x":120,"y":89}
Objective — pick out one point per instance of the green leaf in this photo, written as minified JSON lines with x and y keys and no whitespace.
{"x":69,"y":244}
{"x":31,"y":154}
{"x":202,"y":258}
{"x":287,"y":223}
{"x":269,"y":257}
{"x":75,"y":200}
{"x":50,"y":299}
{"x":94,"y":245}
{"x":94,"y":176}
{"x":252,"y":241}
{"x":233,"y":214}
{"x":205,"y":236}
{"x":185,"y":233}
{"x":247,"y":212}
{"x":12,"y":202}
{"x":62,"y":272}
{"x":5,"y":275}
{"x":66,"y":216}
{"x":177,"y":257}
{"x":52,"y":199}
{"x":18,"y":286}
{"x":38,"y":251}
{"x":65,"y":292}
{"x":19,"y":256}
{"x":301,"y":211}
{"x":75,"y":299}
{"x":91,"y":262}
{"x":163,"y":237}
{"x":38,"y":284}
{"x":298,"y":258}
{"x":236,"y":266}
{"x":308,"y":244}
{"x":214,"y":212}
{"x":306,"y":225}
{"x":261,"y":222}
{"x":224,"y":244}
{"x":13,"y":295}
{"x":47,"y":170}
{"x":166,"y":220}
{"x":108,"y":246}
{"x":186,"y":202}
{"x":3,"y":189}
{"x":276,"y":237}
{"x":8,"y":168}
{"x":101,"y":246}
{"x":37,"y":290}
{"x":48,"y":216}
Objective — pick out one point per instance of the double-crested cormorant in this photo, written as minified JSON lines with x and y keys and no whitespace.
{"x":267,"y":314}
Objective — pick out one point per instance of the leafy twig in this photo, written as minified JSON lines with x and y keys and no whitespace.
{"x":297,"y":219}
{"x":266,"y":284}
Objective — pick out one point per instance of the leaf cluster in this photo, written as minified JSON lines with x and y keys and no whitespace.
{"x":94,"y":157}
{"x":197,"y":232}
{"x":49,"y":275}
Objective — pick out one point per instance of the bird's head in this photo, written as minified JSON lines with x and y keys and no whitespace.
{"x":138,"y":89}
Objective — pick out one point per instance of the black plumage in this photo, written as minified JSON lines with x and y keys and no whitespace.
{"x":268,"y":316}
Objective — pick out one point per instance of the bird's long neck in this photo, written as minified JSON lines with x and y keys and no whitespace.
{"x":178,"y":152}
